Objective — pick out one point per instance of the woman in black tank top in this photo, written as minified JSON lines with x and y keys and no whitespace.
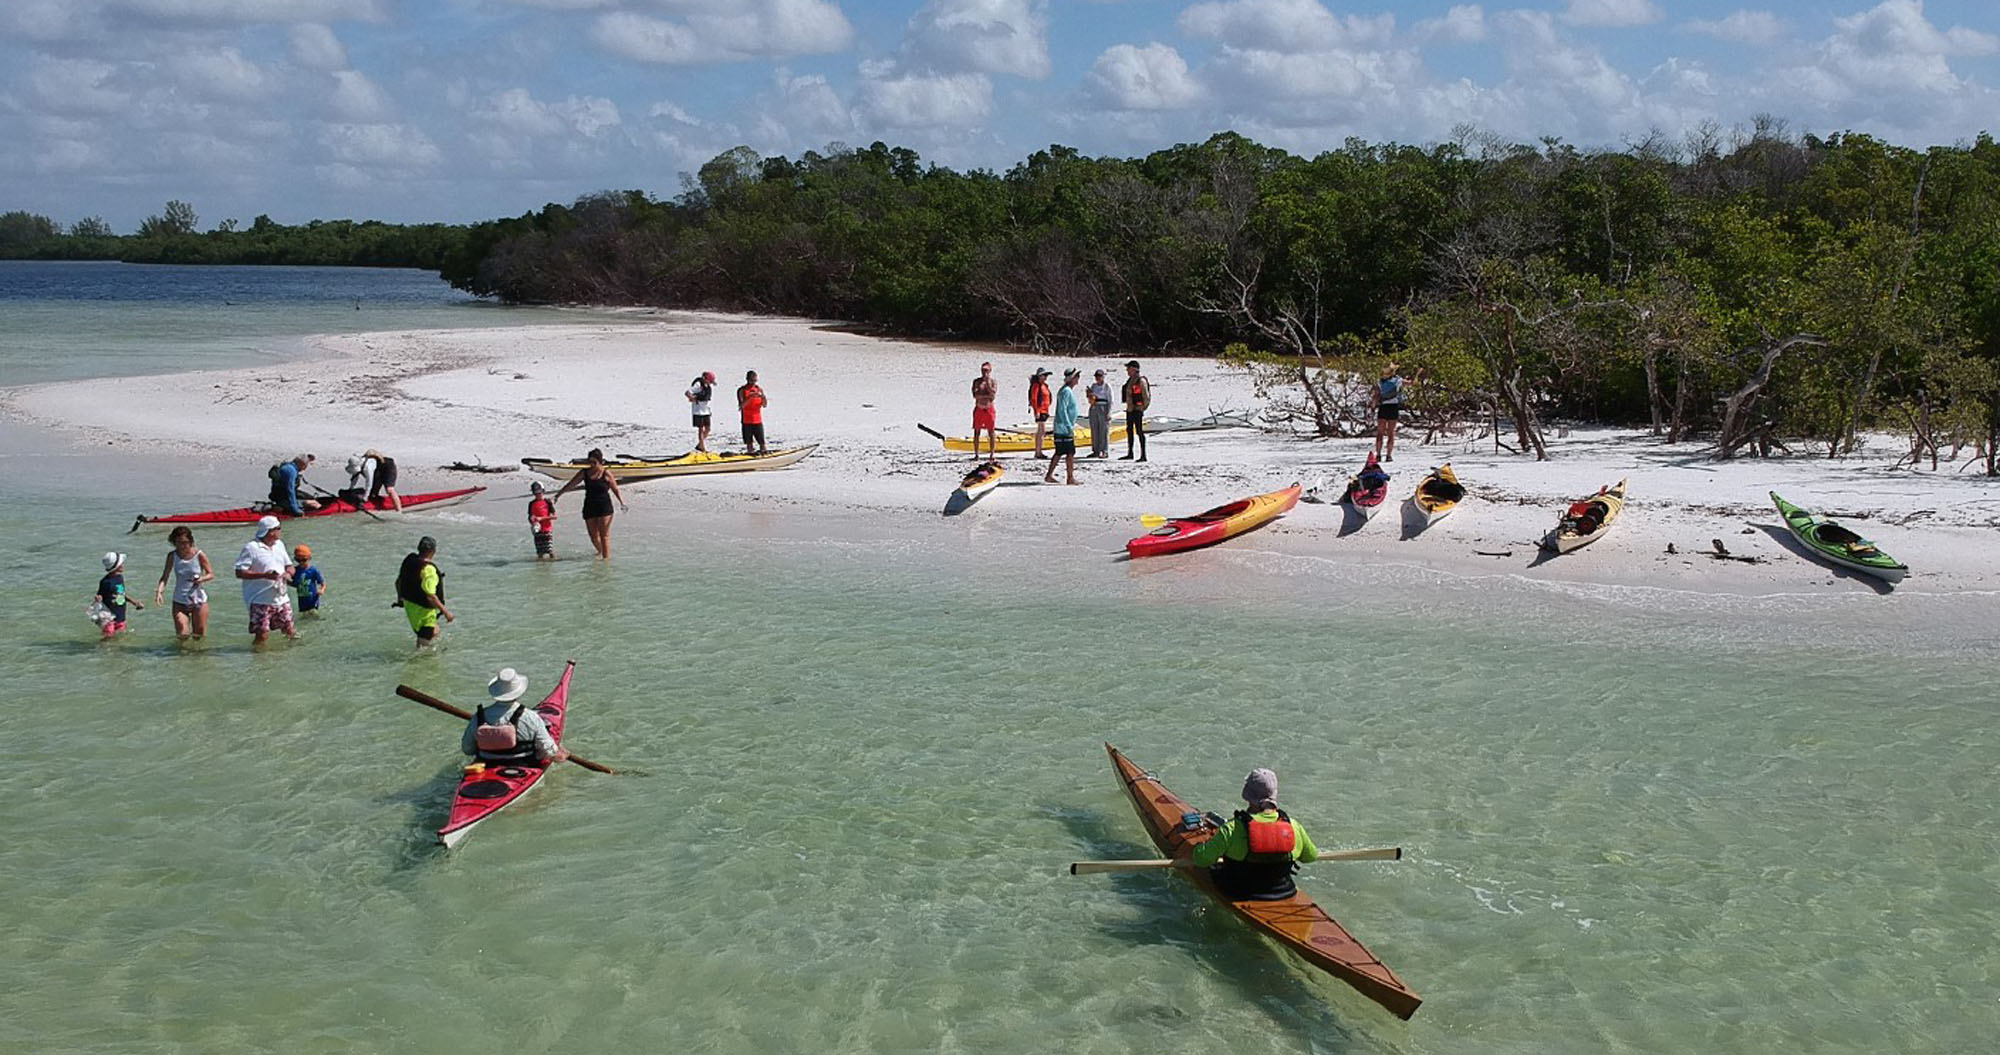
{"x":599,"y":488}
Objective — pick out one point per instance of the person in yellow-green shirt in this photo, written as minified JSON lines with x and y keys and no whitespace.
{"x":1254,"y":854}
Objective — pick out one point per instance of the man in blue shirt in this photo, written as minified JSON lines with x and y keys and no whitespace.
{"x":285,"y":486}
{"x":1065,"y":427}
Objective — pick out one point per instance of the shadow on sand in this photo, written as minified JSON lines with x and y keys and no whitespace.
{"x":1785,"y":538}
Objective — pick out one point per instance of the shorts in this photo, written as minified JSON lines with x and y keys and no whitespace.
{"x":265,"y":618}
{"x":1043,"y":416}
{"x":545,"y":544}
{"x":985,"y":418}
{"x":114,"y":628}
{"x":753,"y":434}
{"x":701,"y":420}
{"x":385,"y":478}
{"x":308,"y":604}
{"x":1065,"y":444}
{"x":1388,"y":412}
{"x":190,"y":607}
{"x":423,"y":619}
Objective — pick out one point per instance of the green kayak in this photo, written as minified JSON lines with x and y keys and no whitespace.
{"x":1839,"y":545}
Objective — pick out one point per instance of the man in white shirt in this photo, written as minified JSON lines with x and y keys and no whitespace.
{"x":265,"y":566}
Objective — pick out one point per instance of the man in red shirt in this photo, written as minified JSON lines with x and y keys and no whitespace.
{"x":750,"y":402}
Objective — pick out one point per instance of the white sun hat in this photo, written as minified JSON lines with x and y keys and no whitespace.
{"x":113,"y":560}
{"x":507,"y":686}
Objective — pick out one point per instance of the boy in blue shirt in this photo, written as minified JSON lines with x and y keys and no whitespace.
{"x":107,"y":605}
{"x":310,"y":583}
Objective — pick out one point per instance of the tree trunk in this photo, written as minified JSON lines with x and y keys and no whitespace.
{"x":1677,"y":429}
{"x":1652,"y":362}
{"x":1737,"y":429}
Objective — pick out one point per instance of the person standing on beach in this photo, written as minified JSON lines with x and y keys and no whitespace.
{"x":420,"y":590}
{"x":1065,"y":427}
{"x":750,"y":403}
{"x":285,"y":486}
{"x":264,"y":566}
{"x":1038,"y":405}
{"x":1100,"y":417}
{"x":1137,"y":393}
{"x":188,"y":567}
{"x":985,"y":391}
{"x":698,"y":396}
{"x":1388,"y":410}
{"x":599,"y":488}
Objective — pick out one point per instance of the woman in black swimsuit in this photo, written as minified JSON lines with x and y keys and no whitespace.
{"x":599,"y":488}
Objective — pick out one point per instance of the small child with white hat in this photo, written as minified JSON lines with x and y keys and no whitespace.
{"x":107,"y":605}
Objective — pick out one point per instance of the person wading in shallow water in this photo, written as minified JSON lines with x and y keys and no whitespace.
{"x":1256,"y":852}
{"x":420,"y":590}
{"x":599,"y":488}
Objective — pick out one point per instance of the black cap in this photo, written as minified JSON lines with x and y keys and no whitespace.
{"x":1133,"y":363}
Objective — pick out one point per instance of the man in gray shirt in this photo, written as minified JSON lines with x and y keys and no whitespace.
{"x":487,"y":734}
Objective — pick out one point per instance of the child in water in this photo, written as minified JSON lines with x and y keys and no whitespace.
{"x":311,"y":584}
{"x":107,"y":605}
{"x":542,"y":523}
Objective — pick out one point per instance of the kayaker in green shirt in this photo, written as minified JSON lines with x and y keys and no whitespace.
{"x":1253,"y":856}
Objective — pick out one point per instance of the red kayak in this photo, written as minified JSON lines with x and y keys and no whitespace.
{"x":1222,"y":522}
{"x":481,"y":795}
{"x":251,"y":514}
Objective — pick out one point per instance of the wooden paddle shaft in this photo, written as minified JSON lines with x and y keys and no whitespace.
{"x":1393,"y":853}
{"x":436,"y":704}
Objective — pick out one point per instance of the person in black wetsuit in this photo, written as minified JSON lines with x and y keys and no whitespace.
{"x":599,"y":488}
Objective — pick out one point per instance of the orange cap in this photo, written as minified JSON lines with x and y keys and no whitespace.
{"x":302,"y":552}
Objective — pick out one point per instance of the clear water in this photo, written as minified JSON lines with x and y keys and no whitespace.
{"x":61,"y":320}
{"x":859,"y":754}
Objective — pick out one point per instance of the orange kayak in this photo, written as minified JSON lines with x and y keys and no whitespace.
{"x":1296,"y":922}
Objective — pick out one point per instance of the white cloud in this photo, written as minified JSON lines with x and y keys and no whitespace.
{"x":986,"y":36}
{"x":1612,"y":13}
{"x":1152,"y":77}
{"x":518,"y":113}
{"x":356,"y":99}
{"x":224,"y":75}
{"x":1288,"y":26}
{"x":315,"y":47}
{"x":47,"y":20}
{"x":715,"y":31}
{"x":251,"y":10}
{"x":1741,"y":27}
{"x":392,"y":147}
{"x":902,"y":100}
{"x":77,"y":86}
{"x":1463,"y":24}
{"x":809,"y":106}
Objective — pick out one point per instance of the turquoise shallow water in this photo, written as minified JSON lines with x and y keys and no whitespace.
{"x":861,"y":754}
{"x":860,"y":751}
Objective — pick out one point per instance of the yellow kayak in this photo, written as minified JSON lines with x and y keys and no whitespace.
{"x":693,"y":463}
{"x":1018,"y":440}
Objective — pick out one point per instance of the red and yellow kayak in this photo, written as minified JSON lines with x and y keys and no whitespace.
{"x":1296,"y":922}
{"x":1222,"y":522}
{"x":484,"y":793}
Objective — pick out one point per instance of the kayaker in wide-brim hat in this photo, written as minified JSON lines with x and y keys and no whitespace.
{"x":1255,"y":853}
{"x":507,"y":732}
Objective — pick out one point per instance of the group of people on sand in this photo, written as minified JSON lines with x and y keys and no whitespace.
{"x":371,"y":481}
{"x":1056,"y":413}
{"x":750,"y":404}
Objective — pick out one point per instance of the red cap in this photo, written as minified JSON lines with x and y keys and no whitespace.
{"x":708,"y":376}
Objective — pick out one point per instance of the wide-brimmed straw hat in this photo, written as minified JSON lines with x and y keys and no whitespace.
{"x":506,"y":686}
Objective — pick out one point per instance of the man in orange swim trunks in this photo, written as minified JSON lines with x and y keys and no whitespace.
{"x":984,"y":391}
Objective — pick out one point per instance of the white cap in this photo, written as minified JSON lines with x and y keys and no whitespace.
{"x":506,"y":686}
{"x":266,"y":525}
{"x":113,"y":560}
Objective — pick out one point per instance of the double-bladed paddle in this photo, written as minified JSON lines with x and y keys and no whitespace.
{"x":436,"y":704}
{"x":1081,"y":868}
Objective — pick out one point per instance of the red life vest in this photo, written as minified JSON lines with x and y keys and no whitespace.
{"x":1270,"y":842}
{"x":1038,"y":396}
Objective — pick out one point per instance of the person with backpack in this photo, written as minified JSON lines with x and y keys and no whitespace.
{"x":285,"y":486}
{"x":508,"y":732}
{"x":420,"y":592}
{"x":1388,"y":411}
{"x":699,"y":396}
{"x":1255,"y":853}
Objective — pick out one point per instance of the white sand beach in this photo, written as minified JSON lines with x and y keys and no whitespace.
{"x":497,"y":395}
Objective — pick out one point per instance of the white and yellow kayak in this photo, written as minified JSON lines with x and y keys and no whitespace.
{"x":693,"y":463}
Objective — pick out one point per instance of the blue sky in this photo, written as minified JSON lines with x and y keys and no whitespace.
{"x":469,"y":109}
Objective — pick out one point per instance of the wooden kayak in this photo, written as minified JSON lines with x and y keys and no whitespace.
{"x":482,"y":794}
{"x":251,"y":514}
{"x":1586,"y":520}
{"x":1297,"y":923}
{"x":693,"y":463}
{"x":1437,"y":495}
{"x":1837,"y":545}
{"x":1368,"y":490}
{"x":1222,"y":522}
